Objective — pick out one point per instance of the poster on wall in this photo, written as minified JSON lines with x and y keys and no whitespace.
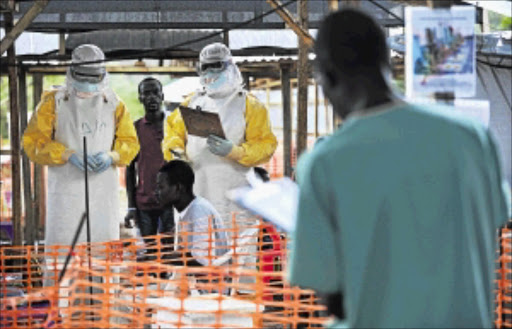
{"x":440,"y":51}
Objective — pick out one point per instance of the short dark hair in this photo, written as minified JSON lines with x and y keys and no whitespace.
{"x":179,"y":172}
{"x":349,"y":40}
{"x":149,"y":79}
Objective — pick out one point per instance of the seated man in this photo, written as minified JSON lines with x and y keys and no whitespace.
{"x":200,"y":233}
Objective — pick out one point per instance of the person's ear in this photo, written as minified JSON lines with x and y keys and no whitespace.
{"x":140,"y":98}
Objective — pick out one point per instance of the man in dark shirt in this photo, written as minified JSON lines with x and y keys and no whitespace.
{"x":144,"y":208}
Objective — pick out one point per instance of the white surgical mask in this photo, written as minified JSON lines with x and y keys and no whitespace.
{"x":214,"y":81}
{"x":85,"y":87}
{"x":221,"y":84}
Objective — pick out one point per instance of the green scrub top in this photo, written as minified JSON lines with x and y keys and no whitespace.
{"x":399,"y":211}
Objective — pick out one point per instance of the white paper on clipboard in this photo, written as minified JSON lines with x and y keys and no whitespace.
{"x":275,"y":201}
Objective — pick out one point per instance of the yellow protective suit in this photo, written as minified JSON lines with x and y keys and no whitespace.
{"x":55,"y":131}
{"x":41,"y":148}
{"x":246,"y":124}
{"x":260,"y":142}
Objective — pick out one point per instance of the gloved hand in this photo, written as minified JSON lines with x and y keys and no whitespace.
{"x":219,"y":146}
{"x":102,"y":161}
{"x":77,"y":161}
{"x":131,"y":215}
{"x":91,"y":163}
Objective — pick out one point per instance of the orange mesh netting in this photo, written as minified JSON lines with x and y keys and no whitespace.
{"x":504,"y":280}
{"x":159,"y":283}
{"x":156,"y":283}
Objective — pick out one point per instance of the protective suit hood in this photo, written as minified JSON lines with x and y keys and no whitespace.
{"x":223,"y":81}
{"x":222,"y":84}
{"x":90,"y":79}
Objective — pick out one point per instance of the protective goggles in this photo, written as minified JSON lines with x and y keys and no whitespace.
{"x":212,"y":67}
{"x":90,"y":77}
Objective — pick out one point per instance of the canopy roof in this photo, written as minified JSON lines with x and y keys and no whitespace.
{"x":84,"y":15}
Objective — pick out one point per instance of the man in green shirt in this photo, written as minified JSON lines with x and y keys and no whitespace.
{"x":398,"y":210}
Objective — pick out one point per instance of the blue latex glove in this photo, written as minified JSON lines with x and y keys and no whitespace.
{"x":91,"y":163}
{"x":77,"y":161}
{"x":102,"y":161}
{"x":219,"y":146}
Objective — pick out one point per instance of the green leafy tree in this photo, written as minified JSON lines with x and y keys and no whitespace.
{"x":4,"y":108}
{"x":498,"y":22}
{"x":506,"y":23}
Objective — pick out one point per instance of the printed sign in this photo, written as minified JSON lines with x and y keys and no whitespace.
{"x":440,"y":51}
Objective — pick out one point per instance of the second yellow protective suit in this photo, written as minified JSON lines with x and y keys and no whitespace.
{"x":246,"y":123}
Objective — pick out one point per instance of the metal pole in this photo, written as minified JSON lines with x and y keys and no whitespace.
{"x":87,"y":215}
{"x":316,"y":110}
{"x":225,"y":38}
{"x":302,"y":83}
{"x":287,"y":120}
{"x":39,"y":204}
{"x":73,"y":244}
{"x":87,"y":193}
{"x":14,"y":32}
{"x":267,"y":91}
{"x":27,"y":174}
{"x":297,"y":27}
{"x":247,"y":81}
{"x":62,"y":43}
{"x":15,"y":136}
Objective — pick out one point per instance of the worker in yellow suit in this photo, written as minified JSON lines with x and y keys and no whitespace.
{"x":221,"y":164}
{"x":85,"y":106}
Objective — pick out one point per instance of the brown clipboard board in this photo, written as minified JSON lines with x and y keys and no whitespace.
{"x":201,"y":123}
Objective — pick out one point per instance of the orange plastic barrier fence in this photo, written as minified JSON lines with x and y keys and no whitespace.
{"x":192,"y":280}
{"x":203,"y":277}
{"x":504,"y":280}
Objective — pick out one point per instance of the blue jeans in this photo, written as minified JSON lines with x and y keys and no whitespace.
{"x":149,"y":220}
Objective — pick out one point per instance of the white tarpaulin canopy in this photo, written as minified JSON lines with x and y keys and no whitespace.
{"x":176,"y":91}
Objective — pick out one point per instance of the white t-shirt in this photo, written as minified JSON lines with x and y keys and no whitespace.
{"x":192,"y":228}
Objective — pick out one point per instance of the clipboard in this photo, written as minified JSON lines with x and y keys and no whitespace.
{"x":201,"y":123}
